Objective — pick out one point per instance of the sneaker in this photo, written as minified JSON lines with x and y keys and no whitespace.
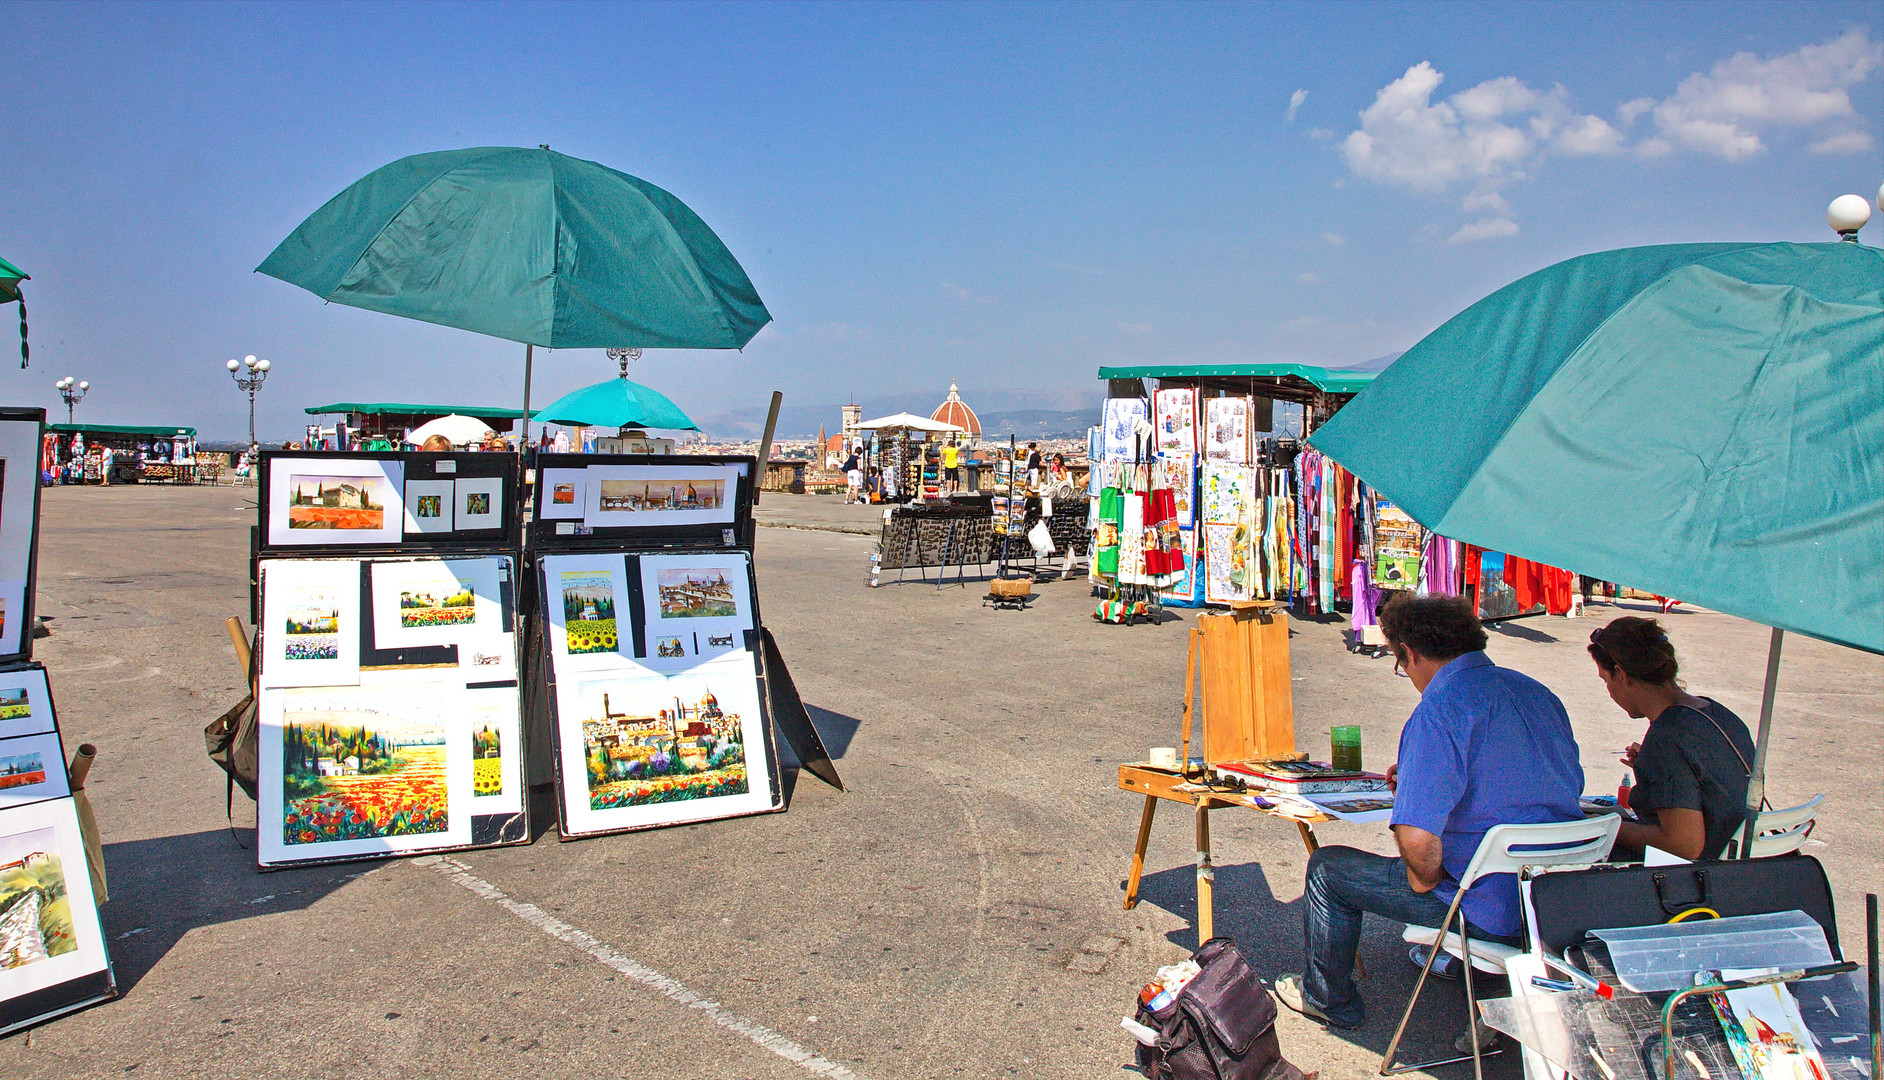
{"x":1288,"y":990}
{"x":1447,"y":967}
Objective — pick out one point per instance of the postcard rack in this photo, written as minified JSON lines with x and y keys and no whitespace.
{"x":387,"y":601}
{"x":53,"y":956}
{"x":663,"y":688}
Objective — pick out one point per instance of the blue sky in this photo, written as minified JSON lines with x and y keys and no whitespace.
{"x":1008,"y":196}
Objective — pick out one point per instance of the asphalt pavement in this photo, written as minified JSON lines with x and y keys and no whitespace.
{"x":954,"y":913}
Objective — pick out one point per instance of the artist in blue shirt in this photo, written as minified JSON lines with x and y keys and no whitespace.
{"x":1486,"y":746}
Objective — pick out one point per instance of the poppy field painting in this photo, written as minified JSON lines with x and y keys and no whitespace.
{"x":357,"y":774}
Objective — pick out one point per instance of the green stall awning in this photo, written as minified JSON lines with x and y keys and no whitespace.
{"x":400,"y":408}
{"x":153,"y":430}
{"x":1300,"y":377}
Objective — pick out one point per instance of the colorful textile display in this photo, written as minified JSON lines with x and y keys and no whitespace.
{"x":1122,"y":417}
{"x":1176,"y":412}
{"x":1226,"y":429}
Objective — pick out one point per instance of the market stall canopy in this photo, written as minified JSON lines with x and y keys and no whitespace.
{"x":1282,"y":382}
{"x":1701,"y":420}
{"x":10,"y":278}
{"x":457,"y":430}
{"x":527,"y":245}
{"x":616,"y":403}
{"x":907,"y":420}
{"x":401,"y":408}
{"x":166,"y":431}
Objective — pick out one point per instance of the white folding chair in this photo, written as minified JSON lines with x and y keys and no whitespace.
{"x":1779,"y":832}
{"x":1553,"y":844}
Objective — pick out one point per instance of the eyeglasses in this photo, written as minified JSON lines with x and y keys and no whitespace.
{"x":1399,"y":668}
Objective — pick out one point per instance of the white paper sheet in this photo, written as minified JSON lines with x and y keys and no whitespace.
{"x":479,"y":503}
{"x":428,"y":505}
{"x":704,"y":600}
{"x":562,"y":493}
{"x":436,"y":602}
{"x":587,"y":599}
{"x":32,"y":768}
{"x":495,"y":709}
{"x":310,"y":622}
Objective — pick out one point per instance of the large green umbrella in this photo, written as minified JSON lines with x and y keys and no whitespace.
{"x":10,"y":278}
{"x":527,"y":245}
{"x":1702,"y":420}
{"x":616,"y":403}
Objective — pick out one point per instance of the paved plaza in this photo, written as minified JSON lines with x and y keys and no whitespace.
{"x":955,"y":913}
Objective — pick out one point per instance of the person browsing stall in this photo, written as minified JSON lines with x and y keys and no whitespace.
{"x":951,"y":466}
{"x":1691,"y":767}
{"x":1485,"y":746}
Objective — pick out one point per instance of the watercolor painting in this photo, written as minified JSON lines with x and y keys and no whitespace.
{"x":696,"y":594}
{"x":589,"y":611}
{"x":626,"y":496}
{"x":669,"y":648}
{"x":22,"y":770}
{"x":429,"y":506}
{"x":312,"y":624}
{"x":563,"y":494}
{"x":337,"y":502}
{"x":487,"y":762}
{"x":1177,"y":421}
{"x":14,"y":704}
{"x":645,"y":744}
{"x":428,"y":607}
{"x":357,"y":773}
{"x":1225,"y":559}
{"x":35,"y":911}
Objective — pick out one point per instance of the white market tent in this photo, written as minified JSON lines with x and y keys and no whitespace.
{"x":908,"y":420}
{"x":459,"y":430}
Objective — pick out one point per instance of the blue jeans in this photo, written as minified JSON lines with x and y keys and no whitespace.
{"x":1342,"y":883}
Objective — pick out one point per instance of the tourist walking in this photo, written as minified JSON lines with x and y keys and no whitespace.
{"x":853,"y":478}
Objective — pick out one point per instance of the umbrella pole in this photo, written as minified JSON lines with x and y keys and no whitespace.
{"x":1756,"y":779}
{"x":529,"y":352}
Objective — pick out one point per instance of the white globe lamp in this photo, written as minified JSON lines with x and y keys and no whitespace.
{"x":1847,"y":215}
{"x":233,"y":365}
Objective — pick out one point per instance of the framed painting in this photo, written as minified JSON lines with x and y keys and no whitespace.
{"x":32,"y":769}
{"x":335,"y":501}
{"x":310,"y":622}
{"x":698,"y":606}
{"x":643,"y":496}
{"x":20,"y":446}
{"x":428,"y":506}
{"x":435,"y":602}
{"x":561,"y":494}
{"x":54,"y":957}
{"x":25,"y":703}
{"x":586,"y":598}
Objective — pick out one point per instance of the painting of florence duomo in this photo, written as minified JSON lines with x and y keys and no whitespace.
{"x":645,"y":744}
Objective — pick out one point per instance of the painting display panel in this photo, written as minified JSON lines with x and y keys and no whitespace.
{"x":640,"y":749}
{"x":651,"y":496}
{"x":698,"y":606}
{"x":32,"y":768}
{"x":496,"y":751}
{"x":316,"y":501}
{"x":1226,"y":429}
{"x":25,"y":704}
{"x":348,"y":770}
{"x":1225,"y":556}
{"x":436,"y":602}
{"x":586,"y":597}
{"x":479,"y":503}
{"x":19,"y":465}
{"x":561,"y":494}
{"x":49,"y":927}
{"x":1177,"y":421}
{"x":428,"y":506}
{"x":310,"y":622}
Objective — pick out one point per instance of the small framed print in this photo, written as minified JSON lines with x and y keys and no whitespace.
{"x":32,"y":768}
{"x":479,"y":503}
{"x":429,"y":505}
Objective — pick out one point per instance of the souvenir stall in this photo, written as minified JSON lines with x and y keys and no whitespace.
{"x":908,"y":470}
{"x":147,"y":454}
{"x":51,"y":937}
{"x":661,"y":682}
{"x":1033,"y":523}
{"x":388,"y":706}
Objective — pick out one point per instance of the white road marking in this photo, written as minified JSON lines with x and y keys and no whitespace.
{"x":459,"y":874}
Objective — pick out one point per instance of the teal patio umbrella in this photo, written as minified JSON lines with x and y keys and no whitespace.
{"x":10,"y":278}
{"x":1702,"y":420}
{"x":616,"y":403}
{"x":527,"y":245}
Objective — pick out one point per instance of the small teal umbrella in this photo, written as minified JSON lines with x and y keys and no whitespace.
{"x":616,"y":403}
{"x":10,"y":278}
{"x":1702,"y":420}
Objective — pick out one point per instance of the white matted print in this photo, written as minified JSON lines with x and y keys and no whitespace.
{"x":351,"y":770}
{"x":1226,"y":429}
{"x":587,"y":597}
{"x":642,"y":749}
{"x":310,"y":622}
{"x":435,"y":602}
{"x":480,"y":503}
{"x":560,"y":494}
{"x":643,"y":496}
{"x":706,"y":598}
{"x":12,"y":619}
{"x":496,"y":751}
{"x":314,"y":501}
{"x":25,"y":704}
{"x":428,"y":506}
{"x":32,"y":768}
{"x":1177,"y":421}
{"x":46,"y":894}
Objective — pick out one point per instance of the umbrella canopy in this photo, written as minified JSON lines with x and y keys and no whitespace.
{"x":616,"y":403}
{"x":907,"y":420}
{"x":1704,"y":420}
{"x":457,"y":430}
{"x":10,"y":278}
{"x":526,"y":245}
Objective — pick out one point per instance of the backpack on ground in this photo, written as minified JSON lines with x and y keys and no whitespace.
{"x":232,"y":741}
{"x":1220,"y":1026}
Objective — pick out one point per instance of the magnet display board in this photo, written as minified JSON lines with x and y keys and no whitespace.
{"x":651,"y":660}
{"x":389,"y":711}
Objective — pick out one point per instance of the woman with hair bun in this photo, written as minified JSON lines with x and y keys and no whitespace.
{"x":1692,"y":767}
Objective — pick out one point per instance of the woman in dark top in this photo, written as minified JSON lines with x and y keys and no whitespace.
{"x":1691,"y":768}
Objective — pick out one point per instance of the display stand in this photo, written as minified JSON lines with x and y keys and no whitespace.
{"x":661,"y":683}
{"x":389,"y":709}
{"x":53,"y":957}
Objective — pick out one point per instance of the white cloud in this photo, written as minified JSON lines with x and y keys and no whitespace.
{"x":1484,"y":229}
{"x":1138,"y":328}
{"x":1479,"y":201}
{"x":960,"y":293}
{"x":1333,"y":239}
{"x":1845,"y":142}
{"x":1295,"y":102}
{"x":1726,"y":111}
{"x":1308,"y":279}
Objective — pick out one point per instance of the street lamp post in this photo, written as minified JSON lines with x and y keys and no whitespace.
{"x":257,"y":371}
{"x":73,"y":392}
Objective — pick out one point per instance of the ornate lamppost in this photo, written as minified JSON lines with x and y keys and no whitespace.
{"x":73,"y":392}
{"x":257,"y":371}
{"x":622,"y":357}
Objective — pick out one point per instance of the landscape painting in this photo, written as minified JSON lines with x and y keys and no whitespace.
{"x":437,"y":607}
{"x":14,"y":704}
{"x":311,"y":627}
{"x":35,"y":910}
{"x":352,"y":503}
{"x":696,"y":594}
{"x":679,"y":493}
{"x":22,"y":769}
{"x":358,"y":771}
{"x":563,"y":494}
{"x":652,"y":740}
{"x":487,"y":762}
{"x":589,"y":611}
